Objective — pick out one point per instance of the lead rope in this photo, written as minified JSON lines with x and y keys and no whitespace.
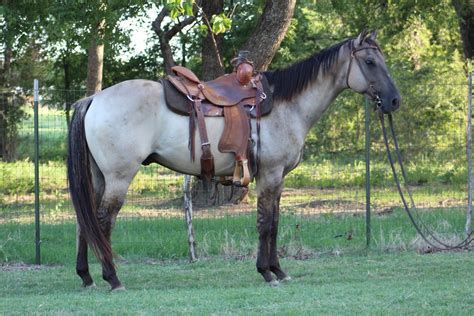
{"x":401,"y":164}
{"x":464,"y":243}
{"x":400,"y":161}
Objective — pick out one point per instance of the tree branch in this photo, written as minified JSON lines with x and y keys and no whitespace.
{"x":178,"y":27}
{"x":165,"y":34}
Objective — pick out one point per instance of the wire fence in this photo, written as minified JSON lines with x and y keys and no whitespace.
{"x":322,"y":206}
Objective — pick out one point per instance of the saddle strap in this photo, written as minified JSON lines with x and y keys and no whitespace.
{"x":192,"y":131}
{"x":207,"y":160}
{"x":258,"y":115}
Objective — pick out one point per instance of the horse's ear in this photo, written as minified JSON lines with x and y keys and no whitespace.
{"x":360,"y":39}
{"x":373,"y":35}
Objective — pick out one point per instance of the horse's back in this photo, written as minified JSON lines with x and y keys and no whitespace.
{"x":128,"y":122}
{"x":120,"y":123}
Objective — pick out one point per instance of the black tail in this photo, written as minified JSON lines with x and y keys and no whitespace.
{"x":81,"y":187}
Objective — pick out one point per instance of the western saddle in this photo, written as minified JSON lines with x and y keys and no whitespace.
{"x":236,"y":96}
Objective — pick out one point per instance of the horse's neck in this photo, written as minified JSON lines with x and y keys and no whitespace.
{"x":309,"y":106}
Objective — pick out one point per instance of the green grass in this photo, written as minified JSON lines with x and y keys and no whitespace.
{"x":232,"y":236}
{"x":372,"y":283}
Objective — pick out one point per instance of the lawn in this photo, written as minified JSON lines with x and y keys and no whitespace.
{"x":365,"y":283}
{"x":228,"y":236}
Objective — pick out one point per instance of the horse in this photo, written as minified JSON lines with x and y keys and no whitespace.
{"x":114,"y":131}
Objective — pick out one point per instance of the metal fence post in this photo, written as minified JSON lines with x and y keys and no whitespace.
{"x":37,"y":202}
{"x":468,"y":228}
{"x":367,"y":173}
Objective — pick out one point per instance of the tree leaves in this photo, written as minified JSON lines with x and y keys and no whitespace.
{"x":220,"y":23}
{"x":179,"y":7}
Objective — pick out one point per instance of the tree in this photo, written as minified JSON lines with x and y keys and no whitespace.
{"x":15,"y":22}
{"x":211,"y":47}
{"x":465,"y":12}
{"x":75,"y":30}
{"x":166,"y":33}
{"x":95,"y":54}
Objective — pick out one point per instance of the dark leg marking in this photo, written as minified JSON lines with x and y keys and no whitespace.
{"x":267,"y":226}
{"x":107,"y":215}
{"x":82,"y":265}
{"x":274,"y":262}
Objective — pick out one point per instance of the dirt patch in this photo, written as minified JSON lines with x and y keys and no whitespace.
{"x":12,"y":267}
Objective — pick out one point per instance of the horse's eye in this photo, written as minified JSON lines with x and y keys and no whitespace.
{"x":369,"y":61}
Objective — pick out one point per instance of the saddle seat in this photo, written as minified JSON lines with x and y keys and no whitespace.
{"x":225,"y":96}
{"x":223,"y":91}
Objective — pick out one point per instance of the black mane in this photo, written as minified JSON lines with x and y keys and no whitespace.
{"x":293,"y":80}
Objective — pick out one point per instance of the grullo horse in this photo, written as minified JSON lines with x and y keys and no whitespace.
{"x":114,"y":131}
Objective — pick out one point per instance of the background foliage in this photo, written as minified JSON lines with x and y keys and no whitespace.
{"x":420,"y":39}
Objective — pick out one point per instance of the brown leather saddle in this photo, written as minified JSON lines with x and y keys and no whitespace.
{"x":237,"y":97}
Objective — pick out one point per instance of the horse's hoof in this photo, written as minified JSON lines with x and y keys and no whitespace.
{"x":274,"y":283}
{"x":119,"y":288}
{"x":286,"y":279}
{"x":89,"y":286}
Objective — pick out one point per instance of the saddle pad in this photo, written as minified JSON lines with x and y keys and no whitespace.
{"x":180,"y":104}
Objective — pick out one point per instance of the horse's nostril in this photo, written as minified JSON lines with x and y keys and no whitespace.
{"x":395,"y":103}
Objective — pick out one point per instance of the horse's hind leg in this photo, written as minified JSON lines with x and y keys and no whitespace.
{"x":112,"y":201}
{"x":82,"y":265}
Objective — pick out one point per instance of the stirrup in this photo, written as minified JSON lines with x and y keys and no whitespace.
{"x":241,"y":176}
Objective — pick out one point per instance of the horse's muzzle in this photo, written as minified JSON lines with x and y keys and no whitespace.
{"x":396,"y":102}
{"x":389,"y":105}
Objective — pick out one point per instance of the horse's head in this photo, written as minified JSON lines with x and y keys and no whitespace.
{"x":367,"y":73}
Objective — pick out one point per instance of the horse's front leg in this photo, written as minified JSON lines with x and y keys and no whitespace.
{"x":274,"y":262}
{"x":267,"y":226}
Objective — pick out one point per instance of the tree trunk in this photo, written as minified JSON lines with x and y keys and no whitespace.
{"x":5,"y":102}
{"x":167,"y":54}
{"x":465,"y":12}
{"x":95,"y":55}
{"x":270,"y":31}
{"x":95,"y":63}
{"x":212,"y":43}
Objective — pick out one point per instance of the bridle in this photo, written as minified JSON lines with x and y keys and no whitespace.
{"x":371,"y":91}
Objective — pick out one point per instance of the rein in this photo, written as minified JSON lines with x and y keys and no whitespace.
{"x":441,"y":245}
